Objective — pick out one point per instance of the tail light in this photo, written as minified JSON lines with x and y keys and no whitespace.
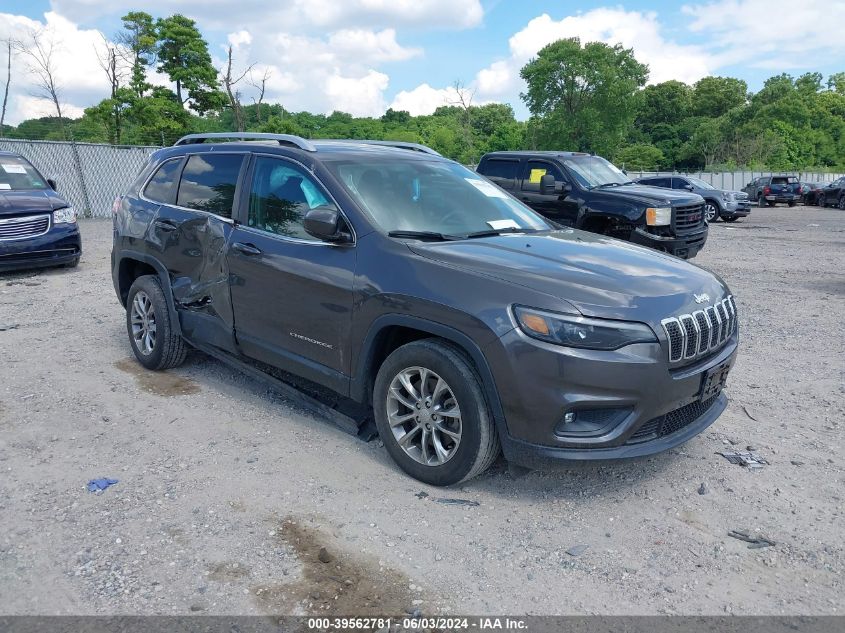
{"x":115,"y":207}
{"x":767,"y":190}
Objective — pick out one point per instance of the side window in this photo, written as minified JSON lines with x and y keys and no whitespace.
{"x":679,"y":183}
{"x":502,"y":172}
{"x":208,"y":183}
{"x":665,"y":183}
{"x":281,"y":194}
{"x":535,"y":170}
{"x":162,"y":185}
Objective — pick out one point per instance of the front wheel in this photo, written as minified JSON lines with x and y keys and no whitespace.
{"x":151,"y":334}
{"x":711,"y":211}
{"x":842,"y":202}
{"x":730,"y":218}
{"x":432,"y":414}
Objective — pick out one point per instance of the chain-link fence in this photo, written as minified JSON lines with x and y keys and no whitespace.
{"x":88,"y":175}
{"x":736,"y":180}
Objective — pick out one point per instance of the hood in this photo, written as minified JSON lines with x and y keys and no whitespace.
{"x":23,"y":202}
{"x":599,"y":276}
{"x":651,"y":196}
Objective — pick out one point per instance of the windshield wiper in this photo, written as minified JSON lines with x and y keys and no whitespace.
{"x":609,"y":184}
{"x":494,"y":232}
{"x":424,"y":235}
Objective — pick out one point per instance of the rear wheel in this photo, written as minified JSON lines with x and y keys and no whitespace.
{"x":151,"y":334}
{"x":760,"y":200}
{"x":792,"y":204}
{"x":822,"y":202}
{"x":842,"y":202}
{"x":771,"y":203}
{"x":432,"y":415}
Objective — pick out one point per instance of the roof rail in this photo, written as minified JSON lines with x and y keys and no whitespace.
{"x":415,"y":147}
{"x":282,"y":139}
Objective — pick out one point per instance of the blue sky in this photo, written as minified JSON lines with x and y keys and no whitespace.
{"x":363,"y":56}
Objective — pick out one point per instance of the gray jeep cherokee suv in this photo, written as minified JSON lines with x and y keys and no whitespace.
{"x":413,"y":285}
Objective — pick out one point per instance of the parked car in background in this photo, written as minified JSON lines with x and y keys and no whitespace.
{"x":832,"y":194}
{"x":411,"y":284}
{"x":37,"y":226}
{"x":773,"y":189}
{"x":718,"y":203}
{"x":589,"y":193}
{"x":810,"y":192}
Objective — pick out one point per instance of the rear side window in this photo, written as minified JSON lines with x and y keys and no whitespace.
{"x":208,"y":183}
{"x":534,"y":171}
{"x":502,"y":172}
{"x":162,"y":185}
{"x":657,"y":182}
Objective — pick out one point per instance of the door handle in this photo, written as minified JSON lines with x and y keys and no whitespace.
{"x":166,"y":225}
{"x":246,"y":249}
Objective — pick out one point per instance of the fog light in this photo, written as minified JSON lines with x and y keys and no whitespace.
{"x":591,"y":422}
{"x":569,"y":418}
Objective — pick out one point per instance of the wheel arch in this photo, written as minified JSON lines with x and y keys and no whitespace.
{"x":391,"y":331}
{"x":132,"y":265}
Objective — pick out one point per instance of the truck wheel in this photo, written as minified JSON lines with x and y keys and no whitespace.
{"x":792,"y":204}
{"x":760,"y":200}
{"x":711,"y":211}
{"x":432,"y":415}
{"x":822,"y":202}
{"x":155,"y":344}
{"x":842,"y":202}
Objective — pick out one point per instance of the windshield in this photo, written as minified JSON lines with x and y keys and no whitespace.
{"x":17,"y":175}
{"x":594,"y":171}
{"x":432,"y":196}
{"x":695,"y":182}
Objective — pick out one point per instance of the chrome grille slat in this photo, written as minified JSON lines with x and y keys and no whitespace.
{"x":693,"y":335}
{"x":24,"y":227}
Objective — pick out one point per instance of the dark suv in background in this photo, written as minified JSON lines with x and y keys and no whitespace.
{"x":832,"y":194}
{"x":37,"y":226}
{"x":413,"y":285}
{"x":718,"y":203}
{"x":589,"y":193}
{"x":773,"y":189}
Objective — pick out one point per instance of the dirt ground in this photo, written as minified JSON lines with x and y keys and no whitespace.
{"x":231,"y":501}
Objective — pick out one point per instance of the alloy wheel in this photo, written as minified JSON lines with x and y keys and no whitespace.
{"x":424,"y":416}
{"x":143,"y":319}
{"x":710,"y":211}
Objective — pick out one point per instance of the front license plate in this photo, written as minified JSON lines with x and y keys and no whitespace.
{"x":714,"y":380}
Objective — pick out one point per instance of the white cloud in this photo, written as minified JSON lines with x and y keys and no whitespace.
{"x":380,"y":46}
{"x":808,"y":37}
{"x":359,"y":96}
{"x":240,"y":38}
{"x":422,"y":100}
{"x":80,"y":78}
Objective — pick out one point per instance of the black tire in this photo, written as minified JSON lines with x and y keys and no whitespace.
{"x":792,"y":204}
{"x":821,"y":201}
{"x":771,"y":203}
{"x":479,"y":442}
{"x":760,"y":200}
{"x":716,"y":211}
{"x":168,"y":349}
{"x":73,"y":263}
{"x":730,"y":218}
{"x":842,"y":202}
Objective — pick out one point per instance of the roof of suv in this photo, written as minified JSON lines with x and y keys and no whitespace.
{"x":545,"y":153}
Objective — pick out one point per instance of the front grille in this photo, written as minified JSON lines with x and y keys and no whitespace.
{"x":672,"y":422}
{"x":25,"y":227}
{"x":703,"y":331}
{"x":688,"y":218}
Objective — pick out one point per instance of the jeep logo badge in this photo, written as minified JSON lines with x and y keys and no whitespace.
{"x":701,"y":298}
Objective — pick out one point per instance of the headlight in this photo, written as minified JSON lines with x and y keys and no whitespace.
{"x":576,"y":331}
{"x":64,"y":216}
{"x":662,"y":216}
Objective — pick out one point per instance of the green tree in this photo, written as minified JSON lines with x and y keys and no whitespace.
{"x":666,"y":103}
{"x":640,"y":157}
{"x":583,"y":98}
{"x":183,"y":55}
{"x":714,"y":96}
{"x":139,"y":38}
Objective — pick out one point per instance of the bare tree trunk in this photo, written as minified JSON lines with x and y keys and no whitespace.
{"x":261,"y":85}
{"x":463,"y":99}
{"x":109,"y":64}
{"x":8,"y":81}
{"x":234,"y":97}
{"x":39,"y":48}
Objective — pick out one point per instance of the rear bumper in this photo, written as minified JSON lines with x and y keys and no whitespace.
{"x":686,"y":246}
{"x":62,"y":244}
{"x":782,"y":198}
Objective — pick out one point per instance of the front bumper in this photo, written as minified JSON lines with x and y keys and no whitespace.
{"x":660,"y":407}
{"x":61,"y":244}
{"x":686,"y":246}
{"x":737,"y":208}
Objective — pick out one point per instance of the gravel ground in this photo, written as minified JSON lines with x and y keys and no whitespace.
{"x":231,"y":500}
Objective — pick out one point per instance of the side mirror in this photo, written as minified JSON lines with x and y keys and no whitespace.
{"x":52,"y":183}
{"x":748,"y":185}
{"x":547,"y":184}
{"x":324,"y":223}
{"x":689,"y":187}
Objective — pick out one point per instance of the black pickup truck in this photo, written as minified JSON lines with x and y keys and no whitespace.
{"x":587,"y":192}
